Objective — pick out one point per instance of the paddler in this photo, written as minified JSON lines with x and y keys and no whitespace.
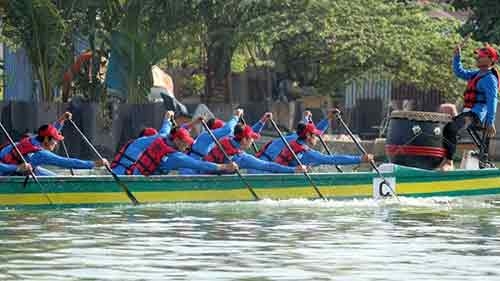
{"x":160,"y":154}
{"x":271,"y":149}
{"x":480,"y":100}
{"x":307,"y":137}
{"x":131,"y":150}
{"x":204,"y":143}
{"x":235,"y":147}
{"x":37,"y":151}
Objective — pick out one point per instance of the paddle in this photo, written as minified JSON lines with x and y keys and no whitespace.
{"x":254,"y":146}
{"x":362,"y":149}
{"x":255,"y":197}
{"x":25,"y":162}
{"x":117,"y":179}
{"x":67,"y":156}
{"x":296,"y":158}
{"x":327,"y":149}
{"x":329,"y":152}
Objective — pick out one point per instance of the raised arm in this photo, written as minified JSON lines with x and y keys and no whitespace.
{"x":166,"y":125}
{"x":257,"y":127}
{"x":459,"y":70}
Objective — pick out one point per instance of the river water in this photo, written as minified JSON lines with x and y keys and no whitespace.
{"x":415,"y":239}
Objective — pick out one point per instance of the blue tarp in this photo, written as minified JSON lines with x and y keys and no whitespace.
{"x":19,"y":85}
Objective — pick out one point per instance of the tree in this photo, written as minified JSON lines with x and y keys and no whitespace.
{"x":346,"y":40}
{"x":484,"y":21}
{"x":146,"y":33}
{"x":37,"y":26}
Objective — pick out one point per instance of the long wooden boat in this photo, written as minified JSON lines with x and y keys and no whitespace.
{"x":102,"y":190}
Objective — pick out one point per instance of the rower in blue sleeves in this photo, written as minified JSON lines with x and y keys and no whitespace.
{"x":235,"y":147}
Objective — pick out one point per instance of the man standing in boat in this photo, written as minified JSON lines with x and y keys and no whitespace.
{"x":480,"y":100}
{"x":307,"y":137}
{"x":235,"y":147}
{"x":37,"y":151}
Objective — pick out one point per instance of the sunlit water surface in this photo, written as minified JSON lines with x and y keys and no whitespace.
{"x":415,"y":239}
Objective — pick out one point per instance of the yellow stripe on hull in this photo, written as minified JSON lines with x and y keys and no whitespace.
{"x":446,"y":186}
{"x":182,"y":196}
{"x":242,"y":194}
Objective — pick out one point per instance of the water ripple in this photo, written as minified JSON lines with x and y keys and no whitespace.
{"x":415,"y":239}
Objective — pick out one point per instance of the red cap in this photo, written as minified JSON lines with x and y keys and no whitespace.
{"x":146,"y":132}
{"x":217,"y":124}
{"x":487,"y":51}
{"x":247,"y":132}
{"x":183,"y":135}
{"x":50,"y":131}
{"x":310,"y":128}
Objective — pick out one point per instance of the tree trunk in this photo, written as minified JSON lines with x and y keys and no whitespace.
{"x":219,"y":55}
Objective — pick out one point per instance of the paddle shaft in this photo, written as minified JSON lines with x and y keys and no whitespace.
{"x":117,"y":179}
{"x":229,"y":159}
{"x":329,"y":153}
{"x":363,"y":150}
{"x":254,"y":146}
{"x":325,"y":146}
{"x":67,"y":156}
{"x":296,"y":159}
{"x":35,"y":178}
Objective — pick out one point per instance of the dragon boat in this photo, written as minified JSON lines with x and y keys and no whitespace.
{"x":78,"y":191}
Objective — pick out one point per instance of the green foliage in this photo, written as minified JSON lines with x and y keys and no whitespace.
{"x":399,"y":41}
{"x":38,"y":26}
{"x":321,"y":43}
{"x":195,"y":84}
{"x":332,"y":43}
{"x":484,"y":21}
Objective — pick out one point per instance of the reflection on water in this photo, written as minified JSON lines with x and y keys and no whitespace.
{"x":418,"y":239}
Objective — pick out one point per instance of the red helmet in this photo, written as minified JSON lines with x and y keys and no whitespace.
{"x":146,"y":132}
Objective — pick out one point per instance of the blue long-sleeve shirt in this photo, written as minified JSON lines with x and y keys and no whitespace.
{"x":277,"y":145}
{"x":173,"y":161}
{"x":311,"y":157}
{"x":250,"y":162}
{"x":137,"y":146}
{"x":165,"y":128}
{"x":45,"y":157}
{"x":178,"y":160}
{"x":204,"y":143}
{"x":7,"y":169}
{"x":488,"y":85}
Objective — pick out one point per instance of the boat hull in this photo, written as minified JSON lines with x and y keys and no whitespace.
{"x":102,"y":190}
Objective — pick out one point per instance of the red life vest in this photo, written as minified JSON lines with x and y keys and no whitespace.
{"x":471,"y":93}
{"x":150,"y":159}
{"x":117,"y":161}
{"x":217,"y":156}
{"x":25,"y":147}
{"x":285,"y":156}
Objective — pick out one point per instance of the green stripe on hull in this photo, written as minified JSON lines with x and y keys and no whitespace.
{"x":102,"y":190}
